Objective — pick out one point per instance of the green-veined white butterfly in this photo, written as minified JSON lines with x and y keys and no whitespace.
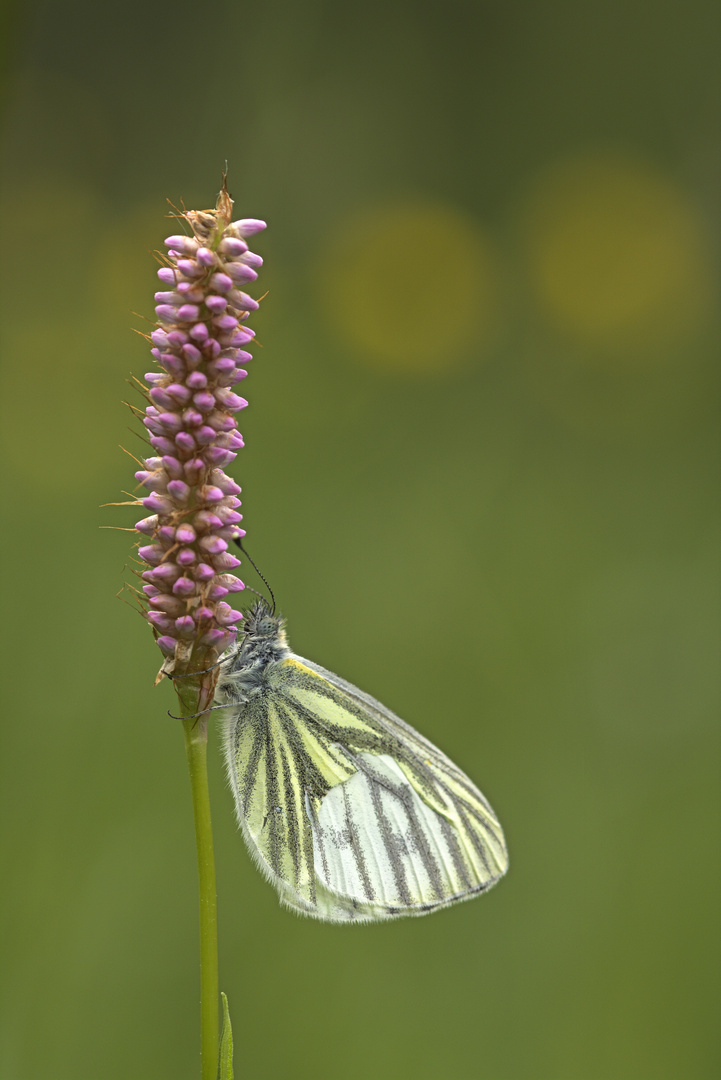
{"x":348,"y":811}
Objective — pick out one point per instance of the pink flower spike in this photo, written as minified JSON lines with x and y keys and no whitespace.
{"x":190,"y":501}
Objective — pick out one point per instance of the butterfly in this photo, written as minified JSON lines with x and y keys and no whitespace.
{"x":346,"y":809}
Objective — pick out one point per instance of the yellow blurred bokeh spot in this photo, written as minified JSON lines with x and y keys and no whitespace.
{"x":616,"y":252}
{"x":410,"y":287}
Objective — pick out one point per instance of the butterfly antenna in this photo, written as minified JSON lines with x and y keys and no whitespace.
{"x":249,"y":588}
{"x":239,"y":542}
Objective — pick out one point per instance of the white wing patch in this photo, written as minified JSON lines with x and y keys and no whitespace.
{"x":380,"y":850}
{"x":377,"y":841}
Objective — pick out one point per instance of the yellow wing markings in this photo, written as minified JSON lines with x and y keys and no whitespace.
{"x":292,"y":661}
{"x":328,"y":701}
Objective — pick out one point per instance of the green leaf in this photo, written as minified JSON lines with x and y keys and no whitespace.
{"x":225,"y":1064}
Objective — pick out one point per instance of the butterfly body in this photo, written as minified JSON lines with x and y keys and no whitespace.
{"x":350,"y":812}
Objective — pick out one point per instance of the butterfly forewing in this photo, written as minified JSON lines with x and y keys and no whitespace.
{"x":350,"y":812}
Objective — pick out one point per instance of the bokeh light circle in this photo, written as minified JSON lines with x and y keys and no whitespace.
{"x":615,"y":251}
{"x":410,"y":287}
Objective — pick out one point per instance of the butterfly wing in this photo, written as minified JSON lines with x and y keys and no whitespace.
{"x":348,"y":810}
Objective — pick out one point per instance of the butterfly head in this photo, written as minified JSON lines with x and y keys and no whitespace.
{"x":262,"y":624}
{"x":263,"y":642}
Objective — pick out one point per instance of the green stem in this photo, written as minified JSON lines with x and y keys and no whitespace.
{"x":196,"y":743}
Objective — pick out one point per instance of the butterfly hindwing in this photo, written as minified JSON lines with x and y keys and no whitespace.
{"x":348,"y":810}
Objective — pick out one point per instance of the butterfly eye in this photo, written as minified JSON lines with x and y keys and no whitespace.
{"x":266,"y":626}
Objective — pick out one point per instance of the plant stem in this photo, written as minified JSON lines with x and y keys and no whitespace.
{"x":196,"y":743}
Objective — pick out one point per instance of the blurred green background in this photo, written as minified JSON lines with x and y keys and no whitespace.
{"x":480,"y":474}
